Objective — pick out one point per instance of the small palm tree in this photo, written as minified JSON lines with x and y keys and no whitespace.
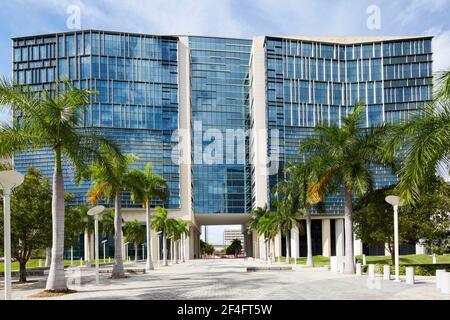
{"x":146,"y":186}
{"x":340,"y":157}
{"x":268,"y":229}
{"x":427,"y":135}
{"x":107,"y":223}
{"x":134,"y":233}
{"x":183,"y":227}
{"x":253,"y":222}
{"x":162,"y":222}
{"x":51,"y":119}
{"x":108,"y":182}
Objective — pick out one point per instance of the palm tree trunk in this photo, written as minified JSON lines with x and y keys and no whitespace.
{"x":309,"y":260}
{"x":56,"y":280}
{"x":48,"y":257}
{"x":273,"y":250}
{"x":175,"y":247}
{"x":349,"y":255}
{"x":183,"y":248}
{"x":288,"y":247}
{"x":148,"y":219}
{"x":118,"y":271}
{"x":164,"y":249}
{"x":135,"y":252}
{"x":267,"y":252}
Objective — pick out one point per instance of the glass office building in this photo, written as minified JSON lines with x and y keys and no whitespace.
{"x":313,"y":82}
{"x":136,"y":101}
{"x":218,"y":88}
{"x":219,"y":80}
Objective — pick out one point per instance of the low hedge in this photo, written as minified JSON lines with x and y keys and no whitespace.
{"x":422,"y":269}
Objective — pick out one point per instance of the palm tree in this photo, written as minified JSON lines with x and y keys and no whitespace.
{"x":298,"y":178}
{"x":162,"y":222}
{"x":339,"y":157}
{"x":253,"y":222}
{"x":427,"y":137}
{"x":109,"y":179}
{"x":107,"y":223}
{"x":51,"y":119}
{"x":284,"y":219}
{"x":146,"y":186}
{"x":267,"y":227}
{"x":135,"y":234}
{"x":183,"y":230}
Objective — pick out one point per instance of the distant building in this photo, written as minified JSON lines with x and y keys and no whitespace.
{"x":230,"y":234}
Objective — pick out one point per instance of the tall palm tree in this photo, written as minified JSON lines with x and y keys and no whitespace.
{"x":298,"y":177}
{"x":162,"y":222}
{"x":340,"y":157}
{"x":135,"y":234}
{"x":109,"y":180}
{"x":146,"y":186}
{"x":426,"y":136}
{"x":51,"y":119}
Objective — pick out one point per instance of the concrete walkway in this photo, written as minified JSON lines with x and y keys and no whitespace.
{"x":228,"y":279}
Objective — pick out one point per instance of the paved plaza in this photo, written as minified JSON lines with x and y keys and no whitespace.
{"x":229,"y":279}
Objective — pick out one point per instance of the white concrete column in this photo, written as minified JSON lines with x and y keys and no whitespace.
{"x":295,"y":243}
{"x":339,"y":240}
{"x":386,"y":251}
{"x":420,"y":248}
{"x":278,"y":245}
{"x":357,"y":246}
{"x":86,"y":245}
{"x":326,"y":238}
{"x":262,"y":248}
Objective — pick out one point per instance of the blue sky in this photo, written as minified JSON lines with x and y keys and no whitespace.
{"x":231,"y":18}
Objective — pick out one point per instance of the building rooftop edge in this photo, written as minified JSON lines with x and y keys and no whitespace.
{"x":327,"y":39}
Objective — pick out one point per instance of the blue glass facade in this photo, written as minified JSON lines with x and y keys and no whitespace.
{"x":307,"y":83}
{"x":316,"y":83}
{"x":219,"y":80}
{"x":136,"y":105}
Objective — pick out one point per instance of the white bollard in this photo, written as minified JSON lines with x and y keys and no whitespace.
{"x":364,"y":260}
{"x":445,"y":283}
{"x":371,"y":271}
{"x":410,"y":275}
{"x":386,"y":272}
{"x":434,"y":258}
{"x":109,"y":259}
{"x":40,"y":263}
{"x":81,"y":262}
{"x":358,"y":269}
{"x":333,"y":264}
{"x":439,"y":274}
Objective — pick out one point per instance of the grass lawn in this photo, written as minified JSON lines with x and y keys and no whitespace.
{"x":34,"y":263}
{"x":318,"y":260}
{"x":405,"y":259}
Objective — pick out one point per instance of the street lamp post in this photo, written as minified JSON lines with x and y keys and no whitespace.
{"x":396,"y":202}
{"x":104,"y":249}
{"x":95,"y":212}
{"x":9,"y":179}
